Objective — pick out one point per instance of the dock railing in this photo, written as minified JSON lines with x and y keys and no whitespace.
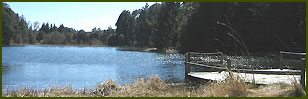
{"x":217,"y":61}
{"x":291,"y":57}
{"x":220,"y":62}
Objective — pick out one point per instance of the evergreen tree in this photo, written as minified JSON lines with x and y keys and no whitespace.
{"x":123,"y":28}
{"x":165,"y":30}
{"x":61,"y":29}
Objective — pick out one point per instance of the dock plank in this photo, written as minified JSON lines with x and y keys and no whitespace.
{"x":248,"y":77}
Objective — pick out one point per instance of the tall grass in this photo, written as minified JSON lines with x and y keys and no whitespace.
{"x":153,"y":86}
{"x":233,"y":86}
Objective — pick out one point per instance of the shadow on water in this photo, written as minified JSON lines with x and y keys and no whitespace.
{"x":8,"y":68}
{"x":5,"y":68}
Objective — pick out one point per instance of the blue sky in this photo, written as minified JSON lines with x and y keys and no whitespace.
{"x":77,"y":15}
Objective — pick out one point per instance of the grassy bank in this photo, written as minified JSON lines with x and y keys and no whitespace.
{"x":153,"y":86}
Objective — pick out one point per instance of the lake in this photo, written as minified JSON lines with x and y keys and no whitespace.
{"x":40,"y":66}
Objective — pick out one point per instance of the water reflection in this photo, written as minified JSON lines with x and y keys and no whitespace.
{"x":5,"y":68}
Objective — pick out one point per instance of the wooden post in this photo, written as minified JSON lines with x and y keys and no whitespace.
{"x":221,"y":58}
{"x":229,"y":67}
{"x":229,"y":64}
{"x":221,"y":61}
{"x":303,"y":70}
{"x":280,"y":60}
{"x":187,"y":67}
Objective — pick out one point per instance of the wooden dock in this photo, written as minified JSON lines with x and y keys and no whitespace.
{"x":220,"y":70}
{"x":259,"y":79}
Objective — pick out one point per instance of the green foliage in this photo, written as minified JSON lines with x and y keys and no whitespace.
{"x":125,"y":28}
{"x":230,"y":27}
{"x":15,"y":28}
{"x":40,"y":36}
{"x":164,"y":34}
{"x":235,"y":28}
{"x":54,"y":38}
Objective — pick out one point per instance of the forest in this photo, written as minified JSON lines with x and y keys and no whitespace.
{"x":235,"y":28}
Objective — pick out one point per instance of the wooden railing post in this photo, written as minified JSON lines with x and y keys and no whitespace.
{"x":303,"y":70}
{"x":229,"y":67}
{"x":187,"y":67}
{"x":229,"y":64}
{"x":280,"y":60}
{"x":221,"y":58}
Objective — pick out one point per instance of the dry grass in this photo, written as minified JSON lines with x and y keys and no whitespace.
{"x":53,"y":91}
{"x":233,"y":86}
{"x":278,"y":90}
{"x":153,"y":86}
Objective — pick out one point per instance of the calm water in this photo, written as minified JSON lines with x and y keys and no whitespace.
{"x":41,"y":66}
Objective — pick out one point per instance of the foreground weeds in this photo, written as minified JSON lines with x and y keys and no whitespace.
{"x":154,"y":86}
{"x":233,"y":86}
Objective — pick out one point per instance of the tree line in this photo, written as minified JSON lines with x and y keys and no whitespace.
{"x":237,"y":28}
{"x":16,"y":30}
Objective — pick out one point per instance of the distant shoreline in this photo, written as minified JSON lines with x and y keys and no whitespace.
{"x":144,"y":49}
{"x":123,"y":48}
